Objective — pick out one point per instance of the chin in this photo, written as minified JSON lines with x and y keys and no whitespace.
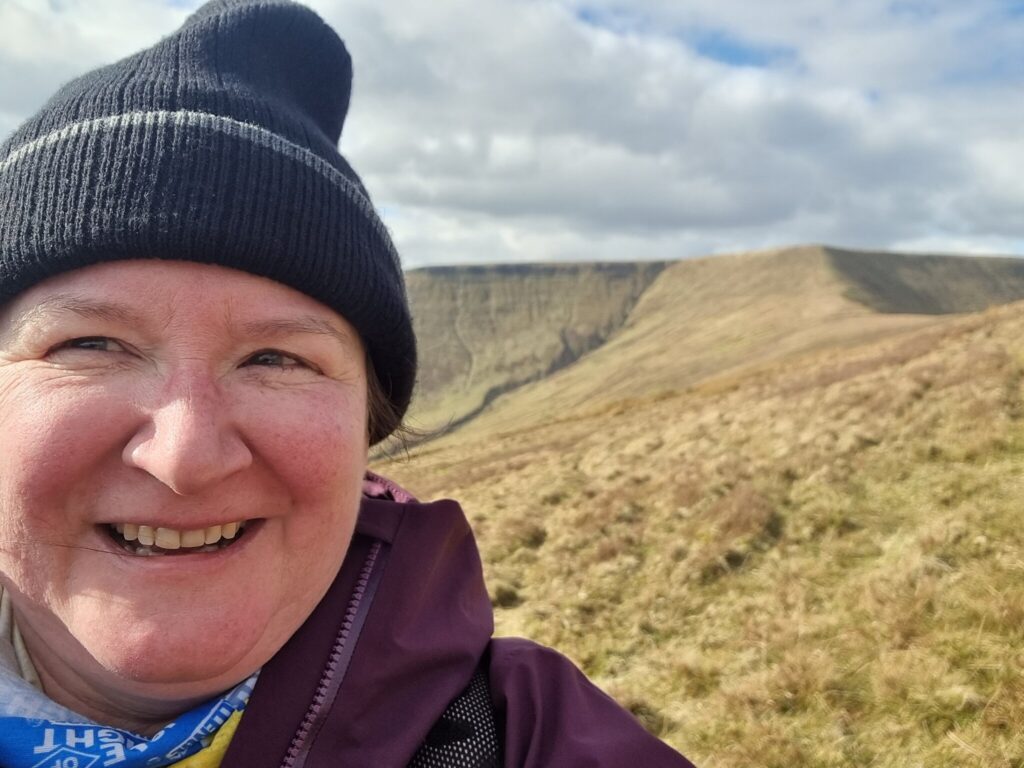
{"x":193,"y":657}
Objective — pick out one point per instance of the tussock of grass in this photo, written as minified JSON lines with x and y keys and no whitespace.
{"x":816,"y":565}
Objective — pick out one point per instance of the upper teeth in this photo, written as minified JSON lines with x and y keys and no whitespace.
{"x":172,"y":538}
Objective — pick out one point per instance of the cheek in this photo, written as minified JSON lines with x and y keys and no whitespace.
{"x":53,"y":445}
{"x":51,"y":440}
{"x":52,"y":437}
{"x":313,"y":441}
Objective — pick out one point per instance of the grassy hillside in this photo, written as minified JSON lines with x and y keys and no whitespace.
{"x":811,"y":562}
{"x":593,"y":334}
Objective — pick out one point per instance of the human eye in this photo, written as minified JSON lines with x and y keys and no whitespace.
{"x":272,"y":358}
{"x":89,"y":343}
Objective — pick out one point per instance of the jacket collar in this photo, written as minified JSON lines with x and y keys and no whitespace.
{"x":424,"y":629}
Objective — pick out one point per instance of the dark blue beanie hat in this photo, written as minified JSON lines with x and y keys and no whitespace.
{"x":216,"y":145}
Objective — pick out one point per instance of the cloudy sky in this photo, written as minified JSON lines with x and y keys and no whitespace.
{"x":535,"y":130}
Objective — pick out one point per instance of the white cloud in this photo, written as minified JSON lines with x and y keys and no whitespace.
{"x":45,"y":44}
{"x":494,"y":130}
{"x":870,"y":44}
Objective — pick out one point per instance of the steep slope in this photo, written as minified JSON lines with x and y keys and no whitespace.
{"x":704,"y":318}
{"x":927,"y":285}
{"x":487,"y":330}
{"x":817,"y":565}
{"x":701,"y":318}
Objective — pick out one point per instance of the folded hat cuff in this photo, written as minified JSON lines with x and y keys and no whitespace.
{"x":194,"y":186}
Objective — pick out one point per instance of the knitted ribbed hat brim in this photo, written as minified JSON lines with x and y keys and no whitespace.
{"x":246,"y":209}
{"x":188,"y":184}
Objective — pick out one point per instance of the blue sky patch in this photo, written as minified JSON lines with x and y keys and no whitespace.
{"x":716,"y":44}
{"x":616,"y":20}
{"x":913,"y":10}
{"x":720,"y":46}
{"x":590,"y":16}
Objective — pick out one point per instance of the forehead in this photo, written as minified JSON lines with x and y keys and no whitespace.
{"x":148,"y":291}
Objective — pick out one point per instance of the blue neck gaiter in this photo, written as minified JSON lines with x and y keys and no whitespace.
{"x":30,"y":741}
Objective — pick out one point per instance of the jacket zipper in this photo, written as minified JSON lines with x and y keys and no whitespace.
{"x":337,"y":663}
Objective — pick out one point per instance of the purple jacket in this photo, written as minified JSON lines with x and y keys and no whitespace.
{"x":397,"y":637}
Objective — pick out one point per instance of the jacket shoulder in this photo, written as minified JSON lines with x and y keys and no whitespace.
{"x":551,"y":714}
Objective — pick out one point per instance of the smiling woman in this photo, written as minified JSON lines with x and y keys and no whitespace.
{"x":203,"y":329}
{"x":227,"y":463}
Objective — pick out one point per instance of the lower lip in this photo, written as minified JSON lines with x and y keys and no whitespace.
{"x":190,"y":561}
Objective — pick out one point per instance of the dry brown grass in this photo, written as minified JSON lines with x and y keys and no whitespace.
{"x":816,"y":564}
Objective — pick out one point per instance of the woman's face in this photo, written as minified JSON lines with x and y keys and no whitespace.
{"x":178,"y":396}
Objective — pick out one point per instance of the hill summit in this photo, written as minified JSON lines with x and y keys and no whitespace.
{"x":589,"y":334}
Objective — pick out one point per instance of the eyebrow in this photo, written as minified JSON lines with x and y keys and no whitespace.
{"x":293,"y":325}
{"x":66,"y":303}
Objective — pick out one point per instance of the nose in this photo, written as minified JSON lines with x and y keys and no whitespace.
{"x":188,"y":442}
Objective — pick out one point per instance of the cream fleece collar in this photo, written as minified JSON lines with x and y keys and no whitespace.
{"x":21,"y":693}
{"x":10,"y":639}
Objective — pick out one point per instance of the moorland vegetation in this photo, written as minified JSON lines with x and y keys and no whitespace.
{"x":805,"y":549}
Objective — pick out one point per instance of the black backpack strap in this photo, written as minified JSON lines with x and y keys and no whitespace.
{"x":467,"y":735}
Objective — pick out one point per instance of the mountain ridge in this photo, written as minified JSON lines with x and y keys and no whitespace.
{"x":591,"y":333}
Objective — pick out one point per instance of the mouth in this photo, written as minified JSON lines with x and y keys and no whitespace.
{"x":149,"y":541}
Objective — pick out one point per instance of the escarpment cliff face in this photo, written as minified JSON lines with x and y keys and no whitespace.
{"x":484,"y":331}
{"x":503,"y":347}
